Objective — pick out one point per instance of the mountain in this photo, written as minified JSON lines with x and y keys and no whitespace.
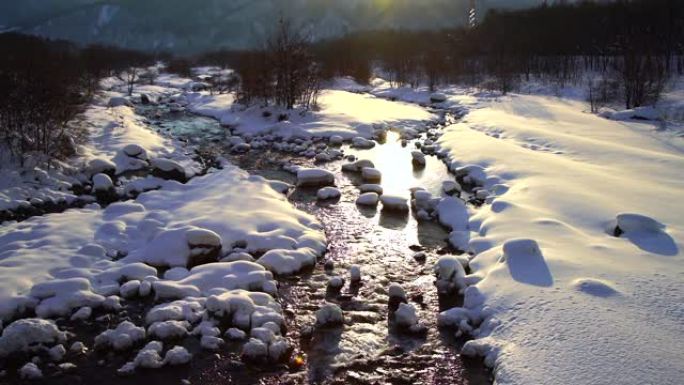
{"x":193,"y":26}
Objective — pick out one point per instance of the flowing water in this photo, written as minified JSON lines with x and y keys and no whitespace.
{"x":368,"y":349}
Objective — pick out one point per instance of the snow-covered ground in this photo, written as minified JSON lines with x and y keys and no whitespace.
{"x":561,"y":299}
{"x":576,"y":264}
{"x":67,"y":264}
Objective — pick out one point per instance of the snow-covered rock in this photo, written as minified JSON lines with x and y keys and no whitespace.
{"x":329,"y":315}
{"x":123,"y":337}
{"x":355,"y":273}
{"x":25,"y":335}
{"x":30,"y":371}
{"x":328,"y":193}
{"x":371,"y":174}
{"x":376,"y":188}
{"x":357,"y":166}
{"x":177,"y":355}
{"x":312,"y":177}
{"x":168,"y":169}
{"x":368,"y":199}
{"x":394,"y":203}
{"x":118,"y":101}
{"x":335,"y":283}
{"x":168,"y":329}
{"x":450,"y":274}
{"x":362,"y":143}
{"x":438,"y":97}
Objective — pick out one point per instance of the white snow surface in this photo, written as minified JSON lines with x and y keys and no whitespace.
{"x":341,"y":114}
{"x":562,"y":300}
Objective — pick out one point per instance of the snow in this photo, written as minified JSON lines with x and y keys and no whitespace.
{"x":102,"y":182}
{"x":235,"y":334}
{"x":405,"y":316}
{"x":123,"y":337}
{"x":168,"y":329}
{"x":341,"y":114}
{"x":25,"y":335}
{"x":287,"y":262}
{"x":177,"y":355}
{"x":255,"y":349}
{"x":552,"y":285}
{"x":211,"y":342}
{"x":245,"y":309}
{"x":30,"y":371}
{"x":450,"y":274}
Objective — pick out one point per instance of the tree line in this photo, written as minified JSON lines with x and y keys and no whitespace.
{"x":43,"y":86}
{"x":624,"y":50}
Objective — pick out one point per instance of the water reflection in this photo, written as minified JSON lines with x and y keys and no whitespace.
{"x":396,"y":164}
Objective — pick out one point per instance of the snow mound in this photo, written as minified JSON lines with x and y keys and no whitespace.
{"x":245,"y":310}
{"x":60,"y":296}
{"x":287,"y":262}
{"x":594,"y":287}
{"x":526,"y":262}
{"x":25,"y":335}
{"x":450,"y":274}
{"x":177,"y":355}
{"x":123,"y":337}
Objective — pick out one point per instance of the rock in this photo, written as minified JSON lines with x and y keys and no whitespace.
{"x":235,"y":334}
{"x":329,"y":315}
{"x":254,"y":350}
{"x":370,"y":174}
{"x":418,"y":159}
{"x":168,"y":169}
{"x":394,"y":203}
{"x":357,"y":166}
{"x":311,"y":177}
{"x":205,"y":246}
{"x":451,"y":187}
{"x":362,"y":143}
{"x":420,"y":257}
{"x":438,"y":97}
{"x":368,"y":199}
{"x":145,"y":99}
{"x":355,"y":273}
{"x":328,"y":193}
{"x":135,"y":151}
{"x":101,"y":166}
{"x":376,"y":188}
{"x":335,"y":283}
{"x":405,"y":316}
{"x":119,"y":101}
{"x":336,"y":140}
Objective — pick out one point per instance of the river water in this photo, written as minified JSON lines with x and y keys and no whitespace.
{"x":367,"y":349}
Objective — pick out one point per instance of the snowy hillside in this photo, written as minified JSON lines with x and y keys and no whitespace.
{"x":562,"y":299}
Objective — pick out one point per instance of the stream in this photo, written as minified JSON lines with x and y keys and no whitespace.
{"x":367,"y":349}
